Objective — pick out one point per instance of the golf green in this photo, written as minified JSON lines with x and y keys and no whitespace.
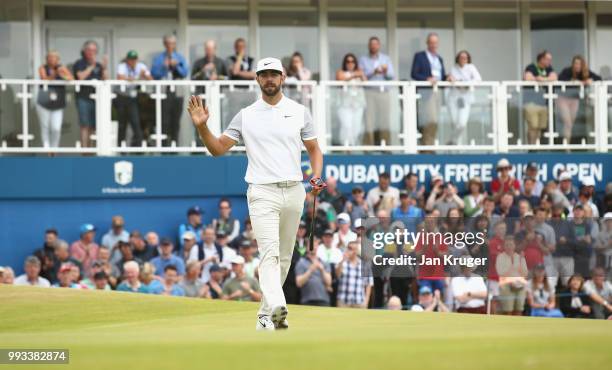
{"x":113,"y":330}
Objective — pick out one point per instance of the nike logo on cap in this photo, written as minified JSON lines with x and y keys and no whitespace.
{"x":265,"y":64}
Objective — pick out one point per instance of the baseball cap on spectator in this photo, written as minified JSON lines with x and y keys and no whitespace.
{"x":165,"y":241}
{"x":238,"y":260}
{"x":303,"y":224}
{"x":528,"y":214}
{"x":221,"y":234}
{"x":424,"y":290}
{"x":85,"y":228}
{"x":436,"y":177}
{"x":215,"y":268}
{"x":358,"y":223}
{"x":607,"y":216}
{"x":269,"y":64}
{"x":563,"y":176}
{"x":503,"y":163}
{"x":328,"y":232}
{"x":195,"y":210}
{"x":189,"y":235}
{"x":246,"y":243}
{"x":132,"y":54}
{"x":532,"y":165}
{"x":588,"y":181}
{"x":343,"y":219}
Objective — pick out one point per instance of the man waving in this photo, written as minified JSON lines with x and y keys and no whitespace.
{"x":273,"y":130}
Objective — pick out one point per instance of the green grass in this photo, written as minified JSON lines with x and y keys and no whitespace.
{"x":111,"y":330}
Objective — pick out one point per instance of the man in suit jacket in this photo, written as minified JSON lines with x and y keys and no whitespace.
{"x":428,"y":65}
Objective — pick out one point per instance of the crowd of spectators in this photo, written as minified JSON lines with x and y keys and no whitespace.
{"x":355,"y":124}
{"x":549,"y":252}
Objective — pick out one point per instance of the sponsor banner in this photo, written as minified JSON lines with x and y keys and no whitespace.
{"x":200,"y":176}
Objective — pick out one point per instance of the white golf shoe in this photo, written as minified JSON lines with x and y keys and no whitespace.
{"x":264,"y":323}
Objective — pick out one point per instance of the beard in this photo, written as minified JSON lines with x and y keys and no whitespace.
{"x":270,"y":90}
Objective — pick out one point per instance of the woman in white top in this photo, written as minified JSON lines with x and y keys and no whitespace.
{"x":350,"y":101}
{"x":461,"y":98}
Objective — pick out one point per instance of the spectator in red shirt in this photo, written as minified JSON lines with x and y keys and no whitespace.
{"x":85,"y":250}
{"x":505,"y":182}
{"x":431,"y":276}
{"x":531,"y":242}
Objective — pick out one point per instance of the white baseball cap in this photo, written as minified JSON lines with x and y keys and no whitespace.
{"x":588,"y":181}
{"x":269,"y":64}
{"x":344,"y":218}
{"x":607,"y":216}
{"x":565,"y":176}
{"x":238,"y":260}
{"x":503,"y":163}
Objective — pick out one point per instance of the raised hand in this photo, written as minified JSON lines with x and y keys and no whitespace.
{"x":198,"y":111}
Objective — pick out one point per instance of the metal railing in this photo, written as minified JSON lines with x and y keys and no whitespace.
{"x":393,"y":116}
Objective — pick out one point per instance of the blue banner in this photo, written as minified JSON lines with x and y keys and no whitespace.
{"x":203,"y":176}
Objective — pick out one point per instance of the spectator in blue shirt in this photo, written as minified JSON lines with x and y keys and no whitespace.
{"x":169,"y":284}
{"x":167,"y":258}
{"x":377,"y":67}
{"x":194,"y":224}
{"x":170,"y":65}
{"x":428,"y":65}
{"x":407,"y":212}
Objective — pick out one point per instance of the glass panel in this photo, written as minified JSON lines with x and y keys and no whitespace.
{"x":68,"y":130}
{"x":412,"y":31}
{"x":527,"y":115}
{"x":15,"y":29}
{"x":496,"y":34}
{"x":11,"y":116}
{"x":358,"y":115}
{"x":574,"y":115}
{"x":222,"y":26}
{"x":283,"y":33}
{"x":349,"y":33}
{"x":455,"y":115}
{"x":561,"y":34}
{"x":234,"y":99}
{"x":604,"y":37}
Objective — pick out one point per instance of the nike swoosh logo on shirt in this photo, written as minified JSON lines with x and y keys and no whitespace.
{"x":288,"y":116}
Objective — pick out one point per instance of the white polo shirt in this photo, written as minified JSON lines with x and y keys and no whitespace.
{"x":474,"y":284}
{"x":272,"y":136}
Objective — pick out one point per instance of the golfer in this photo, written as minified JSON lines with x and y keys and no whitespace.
{"x":273,"y":130}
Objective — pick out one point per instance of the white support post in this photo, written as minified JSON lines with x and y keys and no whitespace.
{"x":25,"y":135}
{"x":37,"y":44}
{"x":392,"y":34}
{"x":600,"y":99}
{"x":158,"y":96}
{"x":214,"y":104}
{"x":104,"y":130}
{"x":323,"y":42}
{"x":501,"y":109}
{"x":254,"y":29}
{"x":458,"y":18}
{"x":525,"y":34}
{"x":409,"y":118}
{"x":320,"y":114}
{"x":181,"y":33}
